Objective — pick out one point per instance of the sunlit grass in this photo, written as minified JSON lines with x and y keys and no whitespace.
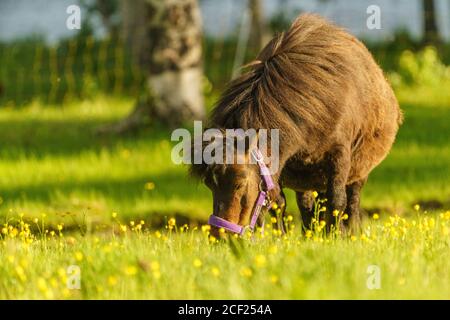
{"x":118,"y":208}
{"x":51,"y":161}
{"x":179,"y":262}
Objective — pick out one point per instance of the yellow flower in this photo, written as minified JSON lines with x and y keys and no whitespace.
{"x":246,"y":272}
{"x":59,"y":227}
{"x":308,"y":234}
{"x":274,"y":206}
{"x":221,"y":230}
{"x":66,"y":293}
{"x":23,"y":263}
{"x":417,"y":207}
{"x":35,"y":220}
{"x":78,"y":256}
{"x":149,"y":186}
{"x":154,"y":266}
{"x":158,"y":234}
{"x":123,"y":228}
{"x":42,"y":284}
{"x":273,"y":249}
{"x":273,"y":278}
{"x":171,"y":222}
{"x":273,"y":220}
{"x":61,"y":273}
{"x":112,"y":281}
{"x":345,"y":216}
{"x":53,"y":283}
{"x":14,"y":232}
{"x":260,"y":260}
{"x":322,"y":223}
{"x":132,"y":223}
{"x":353,"y":238}
{"x":206,"y":228}
{"x":114,"y":214}
{"x":5,"y":230}
{"x":131,"y":270}
{"x":290,"y":218}
{"x":315,"y":194}
{"x":215,"y":271}
{"x":335,"y":213}
{"x":375,"y":216}
{"x":212,"y":239}
{"x":21,"y":273}
{"x":197,"y":263}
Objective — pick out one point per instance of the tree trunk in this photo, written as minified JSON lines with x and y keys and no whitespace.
{"x":133,"y":28}
{"x":258,"y":34}
{"x":168,"y":45}
{"x":431,"y":33}
{"x":107,"y":8}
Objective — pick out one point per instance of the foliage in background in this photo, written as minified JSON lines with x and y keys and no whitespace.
{"x":84,"y":66}
{"x":421,"y":69}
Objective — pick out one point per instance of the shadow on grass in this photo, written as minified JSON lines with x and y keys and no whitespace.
{"x":170,"y":185}
{"x":39,"y":137}
{"x":423,"y":126}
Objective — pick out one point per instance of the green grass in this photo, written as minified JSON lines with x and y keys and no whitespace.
{"x":411,"y":256}
{"x":52,"y":163}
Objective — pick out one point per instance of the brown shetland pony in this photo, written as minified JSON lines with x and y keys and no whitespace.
{"x":337,"y":116}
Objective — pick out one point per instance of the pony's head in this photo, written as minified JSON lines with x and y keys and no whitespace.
{"x":235,"y":184}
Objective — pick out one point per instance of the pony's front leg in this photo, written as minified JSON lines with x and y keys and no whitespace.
{"x":339,"y":168}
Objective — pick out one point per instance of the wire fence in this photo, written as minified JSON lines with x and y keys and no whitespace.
{"x":80,"y":68}
{"x":76,"y":68}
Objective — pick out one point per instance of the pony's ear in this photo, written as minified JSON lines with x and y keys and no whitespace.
{"x":198,"y":144}
{"x":196,"y":169}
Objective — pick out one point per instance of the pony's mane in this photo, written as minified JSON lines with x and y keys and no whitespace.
{"x":290,"y":83}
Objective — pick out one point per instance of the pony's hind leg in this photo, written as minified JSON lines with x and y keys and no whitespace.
{"x":339,"y":168}
{"x":353,"y":204}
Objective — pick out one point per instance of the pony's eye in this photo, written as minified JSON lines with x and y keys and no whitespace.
{"x":238,"y":186}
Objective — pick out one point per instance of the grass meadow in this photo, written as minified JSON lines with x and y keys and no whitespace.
{"x":133,"y":222}
{"x":84,"y":216}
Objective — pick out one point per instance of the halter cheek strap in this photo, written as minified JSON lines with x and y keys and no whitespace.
{"x":261,"y":202}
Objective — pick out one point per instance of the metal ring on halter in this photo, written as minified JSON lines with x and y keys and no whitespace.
{"x":259,"y":158}
{"x":261,"y":182}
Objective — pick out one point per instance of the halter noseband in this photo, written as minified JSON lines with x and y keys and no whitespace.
{"x":263,"y":200}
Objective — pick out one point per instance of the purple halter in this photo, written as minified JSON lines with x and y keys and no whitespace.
{"x":262,"y":200}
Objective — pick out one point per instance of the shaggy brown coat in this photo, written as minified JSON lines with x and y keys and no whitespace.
{"x":337,"y":116}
